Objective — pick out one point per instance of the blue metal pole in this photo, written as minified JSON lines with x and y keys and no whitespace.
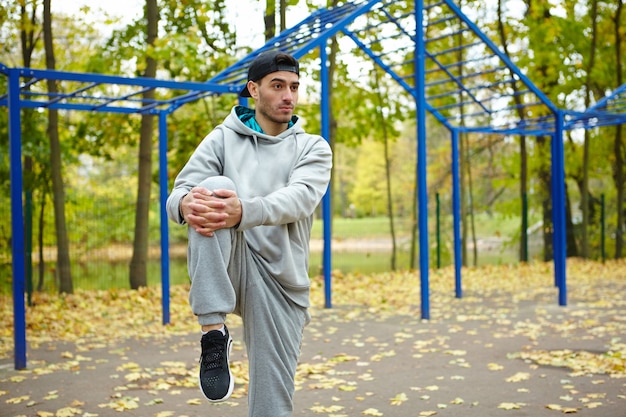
{"x":456,"y":214}
{"x":165,"y":252}
{"x":17,"y":219}
{"x":326,"y":201}
{"x":420,"y":88}
{"x":558,"y":209}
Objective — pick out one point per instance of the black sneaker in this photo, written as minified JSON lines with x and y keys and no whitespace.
{"x":216,"y":381}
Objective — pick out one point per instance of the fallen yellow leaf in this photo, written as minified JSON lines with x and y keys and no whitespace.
{"x":195,"y":401}
{"x":399,"y":399}
{"x":164,"y":414}
{"x":494,"y":367}
{"x":68,"y":412}
{"x":520,"y":376}
{"x":17,"y":400}
{"x":510,"y":406}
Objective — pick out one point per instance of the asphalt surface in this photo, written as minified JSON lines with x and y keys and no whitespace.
{"x":482,"y":360}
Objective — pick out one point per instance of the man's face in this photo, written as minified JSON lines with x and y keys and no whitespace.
{"x":276,"y":96}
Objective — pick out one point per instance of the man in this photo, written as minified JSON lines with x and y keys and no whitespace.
{"x":248,"y":194}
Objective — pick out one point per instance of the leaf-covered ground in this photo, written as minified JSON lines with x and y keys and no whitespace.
{"x":505,"y":349}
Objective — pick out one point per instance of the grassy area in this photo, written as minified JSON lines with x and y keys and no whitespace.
{"x":364,"y":261}
{"x":358,"y":262}
{"x":368,"y":227}
{"x":104,"y":275}
{"x":100,"y":274}
{"x":371,"y":227}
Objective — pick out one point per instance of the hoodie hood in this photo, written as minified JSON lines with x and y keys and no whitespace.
{"x":241,"y":120}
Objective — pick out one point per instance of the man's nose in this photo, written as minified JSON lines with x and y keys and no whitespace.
{"x":288,"y":95}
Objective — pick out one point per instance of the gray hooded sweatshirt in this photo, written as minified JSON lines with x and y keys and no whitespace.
{"x":280,"y":181}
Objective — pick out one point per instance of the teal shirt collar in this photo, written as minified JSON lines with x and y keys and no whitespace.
{"x":246,"y":116}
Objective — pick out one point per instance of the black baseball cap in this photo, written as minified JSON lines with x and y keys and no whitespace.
{"x":268,"y":62}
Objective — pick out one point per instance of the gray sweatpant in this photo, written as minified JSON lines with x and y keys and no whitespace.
{"x":226,"y":279}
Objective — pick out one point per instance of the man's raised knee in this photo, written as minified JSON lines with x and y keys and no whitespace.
{"x":217,"y":183}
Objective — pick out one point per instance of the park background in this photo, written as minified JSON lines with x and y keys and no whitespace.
{"x":504,"y":348}
{"x":570,"y":49}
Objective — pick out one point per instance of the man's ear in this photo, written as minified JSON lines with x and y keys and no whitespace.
{"x":253,"y":88}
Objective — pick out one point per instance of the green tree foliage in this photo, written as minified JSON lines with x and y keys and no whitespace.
{"x":561,"y":71}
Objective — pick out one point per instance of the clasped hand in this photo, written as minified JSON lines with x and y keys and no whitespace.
{"x":207,"y":211}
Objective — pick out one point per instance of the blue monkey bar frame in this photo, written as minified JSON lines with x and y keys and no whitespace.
{"x":434,"y":52}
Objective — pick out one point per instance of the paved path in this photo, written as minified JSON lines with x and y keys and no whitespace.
{"x":356,"y":362}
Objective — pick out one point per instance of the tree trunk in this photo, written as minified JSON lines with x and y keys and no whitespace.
{"x":620,"y":185}
{"x":42,"y":262}
{"x":283,"y":15}
{"x":470,"y":197}
{"x":139,"y":261}
{"x":270,"y":19}
{"x":464,"y":204}
{"x":28,"y":41}
{"x":63,"y":255}
{"x":584,"y":193}
{"x":332,"y":65}
{"x":545,"y":178}
{"x":571,"y":246}
{"x":585,"y":173}
{"x":546,"y":206}
{"x":381,"y":120}
{"x":467,"y":206}
{"x":394,"y":245}
{"x":414,"y":234}
{"x":464,"y":169}
{"x":619,"y":146}
{"x":523,"y":251}
{"x":523,"y":191}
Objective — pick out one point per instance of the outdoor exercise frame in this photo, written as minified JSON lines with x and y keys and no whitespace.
{"x":449,"y":56}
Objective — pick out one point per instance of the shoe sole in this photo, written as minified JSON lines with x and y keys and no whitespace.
{"x":231,"y":386}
